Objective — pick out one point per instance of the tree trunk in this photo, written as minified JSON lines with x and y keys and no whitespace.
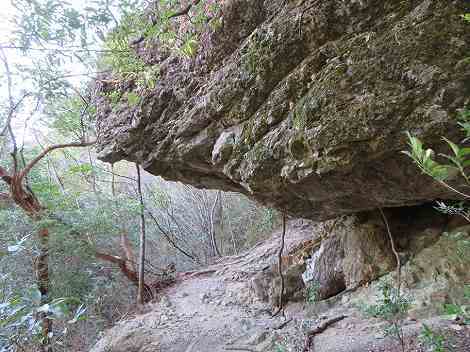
{"x":32,"y":207}
{"x":24,"y":197}
{"x":43,"y":283}
{"x":140,"y":293}
{"x":213,"y":220}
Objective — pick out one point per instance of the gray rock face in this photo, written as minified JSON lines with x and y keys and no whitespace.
{"x":352,"y":254}
{"x":302,"y":105}
{"x":265,"y":285}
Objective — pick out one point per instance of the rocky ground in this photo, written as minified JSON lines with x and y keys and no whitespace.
{"x":217,"y":310}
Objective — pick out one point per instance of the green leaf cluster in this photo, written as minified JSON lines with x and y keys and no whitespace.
{"x":19,"y":321}
{"x":458,"y":159}
{"x":390,"y":304}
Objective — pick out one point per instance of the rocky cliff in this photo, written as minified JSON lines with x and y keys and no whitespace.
{"x":302,"y":105}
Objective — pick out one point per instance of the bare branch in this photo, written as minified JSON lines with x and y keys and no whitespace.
{"x":12,"y":108}
{"x":46,"y":151}
{"x":65,"y":49}
{"x":12,"y":111}
{"x":318,"y":330}
{"x":169,"y":239}
{"x":186,"y":10}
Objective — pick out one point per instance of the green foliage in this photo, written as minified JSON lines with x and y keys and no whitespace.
{"x":19,"y":321}
{"x":312,"y":292}
{"x":466,"y":17}
{"x":460,"y":238}
{"x":81,"y":169}
{"x":148,"y":78}
{"x":114,"y":97}
{"x":424,"y":158}
{"x":181,"y":37}
{"x":434,"y":341}
{"x":132,"y":99}
{"x":392,"y":306}
{"x":190,"y":47}
{"x":71,"y":116}
{"x":390,"y":303}
{"x":458,"y":160}
{"x":119,"y":56}
{"x":279,"y":347}
{"x":257,"y":57}
{"x":460,"y":311}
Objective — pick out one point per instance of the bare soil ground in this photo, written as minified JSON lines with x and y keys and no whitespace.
{"x":215,"y":310}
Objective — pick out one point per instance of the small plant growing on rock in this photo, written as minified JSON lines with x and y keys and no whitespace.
{"x":459,"y":311}
{"x":434,"y":341}
{"x":312,"y":293}
{"x":280,"y":348}
{"x":392,"y":306}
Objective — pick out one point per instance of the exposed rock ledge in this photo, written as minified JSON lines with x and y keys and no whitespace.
{"x":302,"y":105}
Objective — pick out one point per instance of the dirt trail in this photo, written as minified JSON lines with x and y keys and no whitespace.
{"x":215,"y":310}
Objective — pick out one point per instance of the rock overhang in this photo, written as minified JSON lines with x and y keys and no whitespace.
{"x":303,"y":107}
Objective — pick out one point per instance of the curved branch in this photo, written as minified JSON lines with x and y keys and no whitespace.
{"x":186,"y":10}
{"x":12,"y":111}
{"x":46,"y":151}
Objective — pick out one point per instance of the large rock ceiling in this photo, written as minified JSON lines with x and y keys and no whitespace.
{"x":302,"y":105}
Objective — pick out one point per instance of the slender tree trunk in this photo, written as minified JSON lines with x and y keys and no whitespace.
{"x":140,"y":293}
{"x":33,"y":208}
{"x":43,"y":284}
{"x":279,"y":267}
{"x":24,"y":197}
{"x":215,"y":247}
{"x":92,"y":174}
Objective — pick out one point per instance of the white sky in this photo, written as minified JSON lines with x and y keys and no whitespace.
{"x":7,"y":12}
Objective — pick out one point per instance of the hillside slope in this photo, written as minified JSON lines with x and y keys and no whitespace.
{"x":221,"y":308}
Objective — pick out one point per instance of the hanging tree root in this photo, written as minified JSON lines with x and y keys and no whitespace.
{"x":319,"y":329}
{"x":394,"y":250}
{"x":279,"y":266}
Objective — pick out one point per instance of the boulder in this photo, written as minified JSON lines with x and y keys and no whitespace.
{"x":302,"y":105}
{"x":128,"y":337}
{"x":352,"y":253}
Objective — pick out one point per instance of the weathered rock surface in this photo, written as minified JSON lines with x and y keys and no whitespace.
{"x":352,"y":254}
{"x":302,"y":105}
